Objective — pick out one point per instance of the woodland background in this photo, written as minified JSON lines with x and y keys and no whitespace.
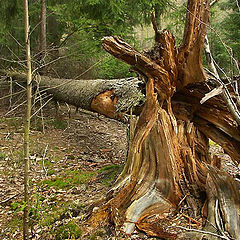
{"x":75,"y":29}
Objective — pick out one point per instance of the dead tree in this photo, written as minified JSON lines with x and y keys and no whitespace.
{"x":168,"y":165}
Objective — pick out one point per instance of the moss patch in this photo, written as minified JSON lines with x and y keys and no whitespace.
{"x":69,"y":179}
{"x":69,"y":231}
{"x":109,"y":173}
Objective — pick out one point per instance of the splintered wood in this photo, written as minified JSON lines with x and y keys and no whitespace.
{"x":168,"y":182}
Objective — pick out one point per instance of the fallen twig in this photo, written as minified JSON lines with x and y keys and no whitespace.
{"x":201,"y":231}
{"x":10,"y":198}
{"x":44,"y":156}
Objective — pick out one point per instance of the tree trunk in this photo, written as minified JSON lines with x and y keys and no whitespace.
{"x":43,"y":38}
{"x":169,"y":180}
{"x":27,"y":123}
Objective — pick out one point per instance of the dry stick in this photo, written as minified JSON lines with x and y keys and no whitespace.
{"x":40,"y":99}
{"x":201,"y":231}
{"x":10,"y":95}
{"x":43,"y":159}
{"x":225,"y":94}
{"x":42,"y":106}
{"x":10,"y":50}
{"x":41,"y":111}
{"x":21,"y":86}
{"x":11,"y":92}
{"x":15,"y":108}
{"x":15,"y":40}
{"x":10,"y":198}
{"x":13,"y":61}
{"x":37,"y":99}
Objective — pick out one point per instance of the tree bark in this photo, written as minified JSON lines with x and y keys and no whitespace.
{"x":109,"y":97}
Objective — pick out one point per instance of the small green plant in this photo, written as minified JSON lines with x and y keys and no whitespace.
{"x":68,"y":179}
{"x":59,"y":124}
{"x":2,"y":155}
{"x":18,"y":206}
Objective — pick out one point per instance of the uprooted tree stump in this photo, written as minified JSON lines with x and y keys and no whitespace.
{"x":169,"y":173}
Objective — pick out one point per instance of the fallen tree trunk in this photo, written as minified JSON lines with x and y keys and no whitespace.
{"x":111,"y":98}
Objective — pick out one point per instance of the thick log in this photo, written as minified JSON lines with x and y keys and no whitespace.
{"x":108,"y":97}
{"x":111,"y":98}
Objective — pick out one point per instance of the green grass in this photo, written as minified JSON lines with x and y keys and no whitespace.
{"x":56,"y":182}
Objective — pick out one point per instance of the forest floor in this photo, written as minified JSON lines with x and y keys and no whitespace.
{"x":74,"y":162}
